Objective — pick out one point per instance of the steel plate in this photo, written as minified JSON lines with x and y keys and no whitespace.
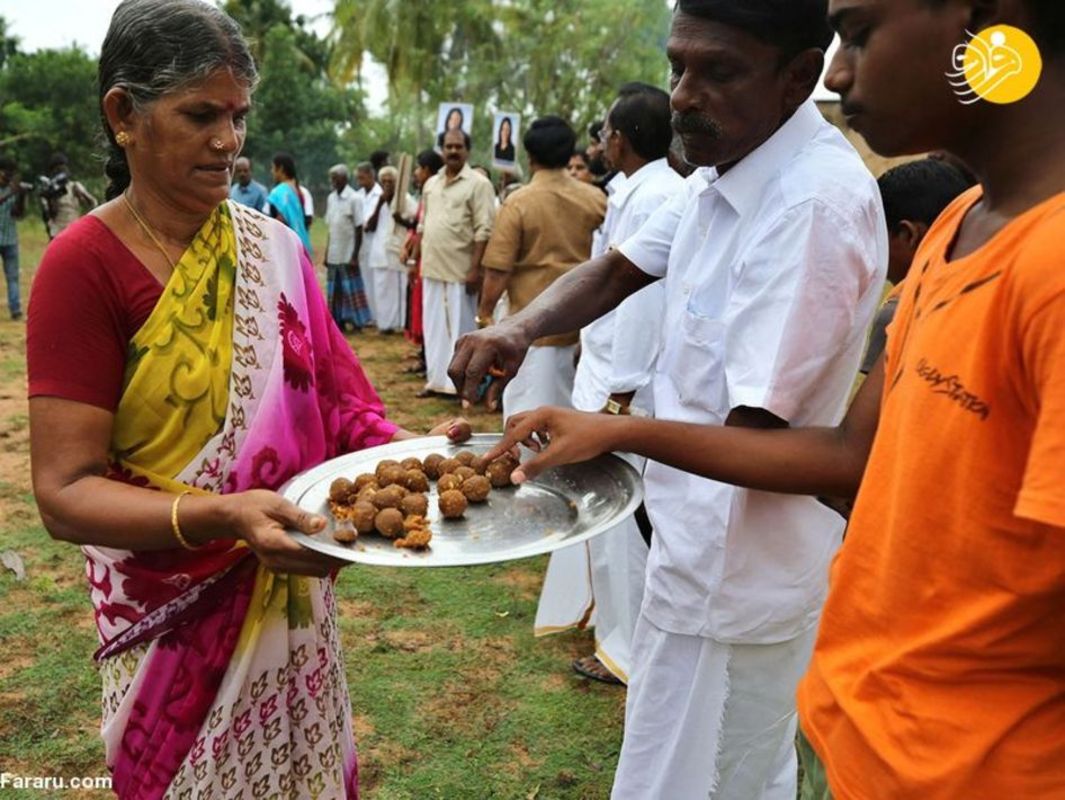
{"x":561,"y":507}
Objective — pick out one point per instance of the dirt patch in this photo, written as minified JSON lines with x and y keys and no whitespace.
{"x":381,"y":756}
{"x":410,"y":641}
{"x":358,"y":609}
{"x":15,"y":661}
{"x":525,"y":583}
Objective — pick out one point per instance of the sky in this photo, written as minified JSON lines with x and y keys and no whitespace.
{"x":59,"y":23}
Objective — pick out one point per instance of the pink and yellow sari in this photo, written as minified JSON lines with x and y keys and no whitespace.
{"x":220,"y":679}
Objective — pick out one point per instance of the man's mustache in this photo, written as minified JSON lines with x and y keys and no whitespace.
{"x":690,"y":122}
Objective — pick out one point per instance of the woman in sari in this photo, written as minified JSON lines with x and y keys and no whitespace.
{"x":286,"y":202}
{"x":182,"y":367}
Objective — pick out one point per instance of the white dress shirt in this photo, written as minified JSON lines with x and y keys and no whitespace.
{"x":369,"y":204}
{"x":773,"y":272}
{"x":308,"y":201}
{"x":387,"y":240}
{"x":618,"y":350}
{"x":343,"y":214}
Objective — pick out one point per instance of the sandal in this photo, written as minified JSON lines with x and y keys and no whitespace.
{"x":591,"y":667}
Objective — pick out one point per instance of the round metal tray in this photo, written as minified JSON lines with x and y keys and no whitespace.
{"x":563,"y":506}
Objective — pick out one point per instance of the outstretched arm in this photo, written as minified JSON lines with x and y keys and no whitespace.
{"x":815,"y":461}
{"x":581,"y":296}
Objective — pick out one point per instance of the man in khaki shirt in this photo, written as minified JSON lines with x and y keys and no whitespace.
{"x":542,"y":232}
{"x":459,"y":208}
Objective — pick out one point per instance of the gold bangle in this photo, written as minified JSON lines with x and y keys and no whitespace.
{"x":175,"y":527}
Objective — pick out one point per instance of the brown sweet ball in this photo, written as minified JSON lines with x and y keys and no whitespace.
{"x":385,"y":464}
{"x":392,"y":475}
{"x":362,"y":517}
{"x":449,"y":483}
{"x":432,"y":465}
{"x":389,"y":522}
{"x":416,"y":481}
{"x":367,"y":495}
{"x":389,"y":497}
{"x":345,"y":533}
{"x":339,"y":490}
{"x":415,"y":504}
{"x":499,"y":473}
{"x":465,"y":457}
{"x":452,"y":504}
{"x":449,"y":465}
{"x":476,"y":488}
{"x":464,"y":472}
{"x":412,"y":463}
{"x":364,"y":480}
{"x":479,"y":465}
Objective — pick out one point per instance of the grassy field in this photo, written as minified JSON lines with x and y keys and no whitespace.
{"x":453,"y":697}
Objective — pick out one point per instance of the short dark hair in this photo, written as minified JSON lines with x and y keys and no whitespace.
{"x":594,"y":128}
{"x":379,"y":158}
{"x":7,"y":164}
{"x":286,"y":163}
{"x":431,"y":160}
{"x":57,"y":160}
{"x":790,"y":25}
{"x":919,"y":191}
{"x":582,"y":155}
{"x":642,"y":115}
{"x":550,"y":141}
{"x":465,"y":137}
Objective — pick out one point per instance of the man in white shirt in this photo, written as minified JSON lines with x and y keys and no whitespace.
{"x":774,"y":258}
{"x":618,"y":353}
{"x":343,"y":219}
{"x":388,"y":229}
{"x":370,"y":194}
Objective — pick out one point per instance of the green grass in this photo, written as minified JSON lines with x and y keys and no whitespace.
{"x":453,"y":697}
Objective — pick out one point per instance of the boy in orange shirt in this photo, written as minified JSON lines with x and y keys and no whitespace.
{"x":939,"y":670}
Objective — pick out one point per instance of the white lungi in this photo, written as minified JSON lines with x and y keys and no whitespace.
{"x":544,"y":379}
{"x":448,"y":313}
{"x":390,"y":298}
{"x":710,"y":720}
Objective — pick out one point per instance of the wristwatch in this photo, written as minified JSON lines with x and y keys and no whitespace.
{"x":482,"y":322}
{"x":614,"y":407}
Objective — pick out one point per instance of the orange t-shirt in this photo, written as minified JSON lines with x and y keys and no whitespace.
{"x":939,"y":671}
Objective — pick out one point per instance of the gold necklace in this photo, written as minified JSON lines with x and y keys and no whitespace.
{"x":148,"y":230}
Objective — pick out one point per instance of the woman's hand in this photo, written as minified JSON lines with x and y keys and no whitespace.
{"x":260,"y":518}
{"x":558,"y":436}
{"x":458,"y":430}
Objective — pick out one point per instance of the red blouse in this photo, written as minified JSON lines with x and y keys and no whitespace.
{"x":89,"y":298}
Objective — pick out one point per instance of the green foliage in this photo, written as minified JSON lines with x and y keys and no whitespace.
{"x":47,"y":104}
{"x":536,"y":57}
{"x":297,"y":111}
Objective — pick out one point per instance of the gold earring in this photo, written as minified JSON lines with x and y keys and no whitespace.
{"x":122,"y":139}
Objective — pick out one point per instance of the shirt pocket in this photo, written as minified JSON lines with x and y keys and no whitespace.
{"x":698,"y":365}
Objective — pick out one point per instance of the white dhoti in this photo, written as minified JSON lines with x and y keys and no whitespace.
{"x":599,"y":582}
{"x":710,"y":720}
{"x":448,"y":313}
{"x":390,"y":298}
{"x":544,"y":379}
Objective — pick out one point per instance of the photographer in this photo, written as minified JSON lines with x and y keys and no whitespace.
{"x":12,"y":207}
{"x":62,"y":198}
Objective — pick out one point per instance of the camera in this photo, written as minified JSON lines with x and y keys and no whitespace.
{"x":53,"y":187}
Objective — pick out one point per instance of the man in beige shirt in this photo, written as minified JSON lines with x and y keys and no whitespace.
{"x":459,"y":208}
{"x":543,"y":231}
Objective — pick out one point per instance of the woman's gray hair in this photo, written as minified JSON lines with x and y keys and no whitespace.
{"x":156,"y":47}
